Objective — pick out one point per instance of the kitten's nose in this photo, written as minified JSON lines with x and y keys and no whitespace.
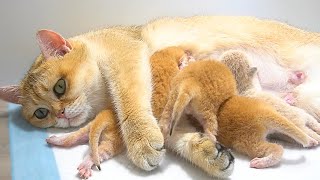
{"x":61,"y":114}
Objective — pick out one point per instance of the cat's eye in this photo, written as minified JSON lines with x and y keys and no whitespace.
{"x":41,"y":113}
{"x":59,"y":88}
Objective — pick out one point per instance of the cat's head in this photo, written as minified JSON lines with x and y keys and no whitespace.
{"x":54,"y":92}
{"x":238,"y":63}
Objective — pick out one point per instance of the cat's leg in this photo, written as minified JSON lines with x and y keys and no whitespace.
{"x":166,"y":116}
{"x":105,"y":126}
{"x":129,"y":80}
{"x":71,"y":139}
{"x":299,"y":117}
{"x":264,"y":154}
{"x":199,"y":149}
{"x":210,"y":124}
{"x":107,"y":149}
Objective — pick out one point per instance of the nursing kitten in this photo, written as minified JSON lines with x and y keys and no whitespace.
{"x":248,"y":85}
{"x":95,"y":68}
{"x":207,"y":90}
{"x":199,"y":93}
{"x":165,"y":65}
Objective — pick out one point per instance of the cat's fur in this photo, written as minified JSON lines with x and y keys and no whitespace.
{"x":249,"y":86}
{"x":103,"y":60}
{"x":164,"y":65}
{"x":207,"y":90}
{"x":199,"y":94}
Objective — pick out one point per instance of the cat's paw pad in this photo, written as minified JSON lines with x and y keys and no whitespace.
{"x":260,"y":163}
{"x":146,"y":148}
{"x":185,"y":61}
{"x":84,"y":169}
{"x":312,"y":143}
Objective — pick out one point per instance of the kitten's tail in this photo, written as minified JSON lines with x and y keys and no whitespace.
{"x":182,"y":99}
{"x":100,"y":123}
{"x":283,"y":125}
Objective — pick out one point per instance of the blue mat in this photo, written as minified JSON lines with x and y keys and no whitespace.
{"x":31,"y":157}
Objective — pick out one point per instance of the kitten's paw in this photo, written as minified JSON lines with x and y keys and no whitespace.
{"x":312,"y":143}
{"x":145,"y":146}
{"x":185,"y":61}
{"x":57,"y":141}
{"x":84,"y":169}
{"x":67,"y":140}
{"x":260,"y":163}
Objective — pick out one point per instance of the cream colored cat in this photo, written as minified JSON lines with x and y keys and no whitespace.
{"x":76,"y":78}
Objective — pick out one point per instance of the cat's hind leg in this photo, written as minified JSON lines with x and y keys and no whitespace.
{"x":199,"y":149}
{"x":71,"y":139}
{"x":105,"y":122}
{"x":107,"y":149}
{"x":299,"y":117}
{"x":265,"y":154}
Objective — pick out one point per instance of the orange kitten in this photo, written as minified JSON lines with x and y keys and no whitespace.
{"x":207,"y":90}
{"x":199,"y":94}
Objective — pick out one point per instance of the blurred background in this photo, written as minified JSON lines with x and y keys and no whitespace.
{"x":21,"y":19}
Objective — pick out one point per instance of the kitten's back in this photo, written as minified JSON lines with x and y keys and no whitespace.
{"x":164,"y":66}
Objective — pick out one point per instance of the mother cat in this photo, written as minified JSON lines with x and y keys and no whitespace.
{"x":74,"y":79}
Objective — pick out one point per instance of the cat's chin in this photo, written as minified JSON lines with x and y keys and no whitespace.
{"x":72,"y":122}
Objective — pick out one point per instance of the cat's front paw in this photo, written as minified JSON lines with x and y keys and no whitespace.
{"x":145,"y":145}
{"x":67,"y":140}
{"x":57,"y":141}
{"x":84,"y":169}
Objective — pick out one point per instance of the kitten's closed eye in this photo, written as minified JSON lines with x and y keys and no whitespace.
{"x":41,"y":113}
{"x":59,"y":88}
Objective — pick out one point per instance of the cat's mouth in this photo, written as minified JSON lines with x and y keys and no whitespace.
{"x":70,"y":121}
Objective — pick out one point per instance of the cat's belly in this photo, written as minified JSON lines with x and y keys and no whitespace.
{"x":271,"y":75}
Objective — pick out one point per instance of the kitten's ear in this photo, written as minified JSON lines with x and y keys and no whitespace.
{"x":52,"y":44}
{"x":253,"y":71}
{"x":10,"y":94}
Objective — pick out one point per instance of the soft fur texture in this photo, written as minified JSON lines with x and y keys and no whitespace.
{"x":207,"y":90}
{"x":248,"y":85}
{"x":103,"y":129}
{"x":200,"y":89}
{"x":111,"y":65}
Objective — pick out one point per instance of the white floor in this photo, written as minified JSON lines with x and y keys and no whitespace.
{"x":297,"y":164}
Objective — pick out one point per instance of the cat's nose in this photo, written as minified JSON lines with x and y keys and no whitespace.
{"x":61,"y":114}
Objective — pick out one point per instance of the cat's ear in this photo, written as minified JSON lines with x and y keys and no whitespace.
{"x":52,"y":44}
{"x":10,"y":94}
{"x":253,"y":71}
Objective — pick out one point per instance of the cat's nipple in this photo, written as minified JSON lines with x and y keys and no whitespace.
{"x":61,"y":114}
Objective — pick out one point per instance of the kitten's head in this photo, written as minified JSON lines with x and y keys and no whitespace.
{"x":54,"y":92}
{"x":238,"y":63}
